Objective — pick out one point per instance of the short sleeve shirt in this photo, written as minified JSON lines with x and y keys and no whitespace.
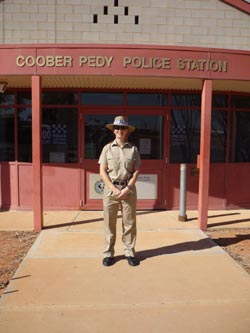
{"x":121,"y":161}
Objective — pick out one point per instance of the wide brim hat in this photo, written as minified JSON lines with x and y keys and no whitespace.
{"x":121,"y":121}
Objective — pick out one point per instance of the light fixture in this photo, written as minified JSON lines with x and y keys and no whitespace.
{"x":3,"y":86}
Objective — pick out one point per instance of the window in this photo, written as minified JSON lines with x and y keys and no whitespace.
{"x":185,"y":127}
{"x":184,"y":136}
{"x":101,"y":98}
{"x":240,"y":102}
{"x":220,"y":101}
{"x":218,"y":136}
{"x":186,"y":100}
{"x":24,"y":97}
{"x":7,"y":134}
{"x":24,"y":119}
{"x":96,"y":134}
{"x":148,"y":136}
{"x":240,"y":138}
{"x":60,"y":98}
{"x":6,"y":99}
{"x":144,"y":99}
{"x":60,"y":135}
{"x":240,"y":129}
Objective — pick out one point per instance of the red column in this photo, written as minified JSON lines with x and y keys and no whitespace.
{"x":37,"y":153}
{"x":204,"y":158}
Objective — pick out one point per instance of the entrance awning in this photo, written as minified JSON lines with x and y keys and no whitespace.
{"x":123,"y":82}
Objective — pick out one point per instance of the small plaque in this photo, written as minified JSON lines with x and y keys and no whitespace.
{"x":195,"y":172}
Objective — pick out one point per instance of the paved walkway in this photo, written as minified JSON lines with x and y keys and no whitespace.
{"x":185,"y":283}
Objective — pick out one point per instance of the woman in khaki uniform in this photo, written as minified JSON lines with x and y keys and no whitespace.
{"x":119,"y":169}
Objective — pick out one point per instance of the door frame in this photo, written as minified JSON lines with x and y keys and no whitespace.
{"x":90,"y":166}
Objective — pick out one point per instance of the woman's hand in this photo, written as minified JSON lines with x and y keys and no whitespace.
{"x":123,"y":193}
{"x":116,"y":192}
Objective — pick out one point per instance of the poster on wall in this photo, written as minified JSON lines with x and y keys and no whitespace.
{"x":57,"y":157}
{"x":178,"y":135}
{"x":145,"y":146}
{"x":54,"y":134}
{"x":146,"y":186}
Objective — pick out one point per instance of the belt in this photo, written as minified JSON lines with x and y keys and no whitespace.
{"x":120,"y":182}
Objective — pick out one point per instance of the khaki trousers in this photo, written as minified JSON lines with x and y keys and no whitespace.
{"x":128,"y":209}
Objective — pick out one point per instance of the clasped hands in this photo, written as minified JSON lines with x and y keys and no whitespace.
{"x":121,"y":194}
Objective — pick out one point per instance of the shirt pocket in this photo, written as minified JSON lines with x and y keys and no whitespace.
{"x":113,"y":163}
{"x":129,"y":164}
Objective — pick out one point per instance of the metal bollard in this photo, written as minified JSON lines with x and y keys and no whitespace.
{"x":182,"y":213}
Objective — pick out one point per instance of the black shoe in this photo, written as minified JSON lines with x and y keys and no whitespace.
{"x":108,"y":261}
{"x":132,"y":261}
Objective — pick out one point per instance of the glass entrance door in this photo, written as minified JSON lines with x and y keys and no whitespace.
{"x":148,"y":137}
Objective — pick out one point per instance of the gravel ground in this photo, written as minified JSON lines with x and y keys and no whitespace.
{"x":236,"y":242}
{"x":14,"y":247}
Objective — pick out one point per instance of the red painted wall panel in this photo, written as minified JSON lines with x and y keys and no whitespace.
{"x":174,"y":187}
{"x":25,"y":184}
{"x":229,"y":187}
{"x":217,"y":187}
{"x":61,"y":187}
{"x":8,"y":188}
{"x":238,"y":185}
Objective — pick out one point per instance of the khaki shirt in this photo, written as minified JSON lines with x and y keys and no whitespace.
{"x":121,"y":162}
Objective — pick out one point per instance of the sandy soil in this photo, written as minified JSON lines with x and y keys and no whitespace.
{"x":236,"y":242}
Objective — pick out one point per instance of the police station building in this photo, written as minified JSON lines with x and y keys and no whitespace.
{"x":180,"y":71}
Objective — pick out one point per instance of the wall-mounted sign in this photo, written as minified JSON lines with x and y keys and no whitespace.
{"x":184,"y":62}
{"x":159,"y":63}
{"x":146,"y":186}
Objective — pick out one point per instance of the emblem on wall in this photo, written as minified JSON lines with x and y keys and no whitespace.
{"x":99,"y":186}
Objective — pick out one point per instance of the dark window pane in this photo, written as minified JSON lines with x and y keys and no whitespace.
{"x":96,"y":134}
{"x":24,"y":97}
{"x":60,"y":97}
{"x":148,"y":136}
{"x":218,"y":136}
{"x":60,"y":135}
{"x":240,"y":102}
{"x":142,"y":99}
{"x":6,"y":99}
{"x":184,"y":136}
{"x":220,"y":101}
{"x":165,"y":99}
{"x":101,"y":98}
{"x":7,"y":136}
{"x":24,"y":135}
{"x":241,"y":148}
{"x":186,"y":100}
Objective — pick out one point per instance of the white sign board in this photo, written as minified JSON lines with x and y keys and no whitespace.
{"x":146,"y":186}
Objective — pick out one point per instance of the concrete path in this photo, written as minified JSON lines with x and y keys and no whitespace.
{"x":185,"y":283}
